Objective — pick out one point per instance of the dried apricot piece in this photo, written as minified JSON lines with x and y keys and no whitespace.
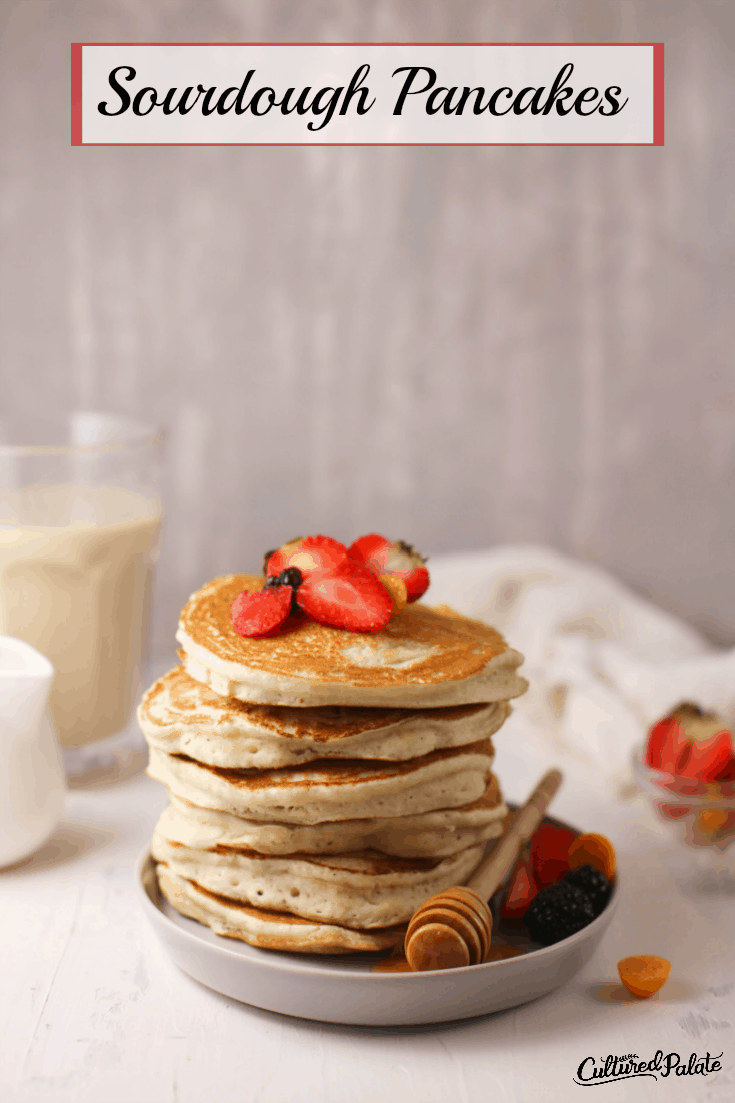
{"x":645,"y":974}
{"x":712,"y":820}
{"x":593,"y":850}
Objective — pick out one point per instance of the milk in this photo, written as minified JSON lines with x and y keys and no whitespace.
{"x":75,"y":580}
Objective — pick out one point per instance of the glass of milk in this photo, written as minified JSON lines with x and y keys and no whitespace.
{"x":80,"y":519}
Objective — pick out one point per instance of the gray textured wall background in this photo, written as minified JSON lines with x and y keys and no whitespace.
{"x":455,"y":346}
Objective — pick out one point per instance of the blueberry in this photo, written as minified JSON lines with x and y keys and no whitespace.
{"x":592,"y":881}
{"x":558,"y":912}
{"x":290,"y":576}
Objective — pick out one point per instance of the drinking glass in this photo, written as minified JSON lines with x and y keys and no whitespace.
{"x":80,"y":520}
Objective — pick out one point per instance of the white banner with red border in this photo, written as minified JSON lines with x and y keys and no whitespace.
{"x":367,"y":94}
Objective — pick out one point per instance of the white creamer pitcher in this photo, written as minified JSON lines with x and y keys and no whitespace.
{"x":31,"y":770}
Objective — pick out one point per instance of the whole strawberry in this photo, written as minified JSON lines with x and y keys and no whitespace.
{"x":550,"y":853}
{"x":385,"y":557}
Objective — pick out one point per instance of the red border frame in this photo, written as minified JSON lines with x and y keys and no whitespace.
{"x":658,"y":93}
{"x":76,"y":92}
{"x":658,"y":97}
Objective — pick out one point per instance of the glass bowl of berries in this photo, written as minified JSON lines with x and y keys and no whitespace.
{"x":686,"y":769}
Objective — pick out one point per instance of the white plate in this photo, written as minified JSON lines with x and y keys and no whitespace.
{"x":341,"y":989}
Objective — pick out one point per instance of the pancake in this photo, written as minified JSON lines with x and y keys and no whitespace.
{"x":430,"y":834}
{"x":423,"y":658}
{"x":181,"y":716}
{"x":362,"y":890}
{"x":332,"y":789}
{"x":271,"y":930}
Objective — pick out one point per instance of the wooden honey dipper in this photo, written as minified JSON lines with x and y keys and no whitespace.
{"x":453,"y":927}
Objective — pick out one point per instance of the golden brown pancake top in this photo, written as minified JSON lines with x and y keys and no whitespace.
{"x":459,"y":647}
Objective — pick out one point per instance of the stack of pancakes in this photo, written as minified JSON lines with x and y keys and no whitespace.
{"x":324,"y":783}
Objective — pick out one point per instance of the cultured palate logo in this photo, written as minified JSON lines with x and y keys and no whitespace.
{"x":593,"y":1073}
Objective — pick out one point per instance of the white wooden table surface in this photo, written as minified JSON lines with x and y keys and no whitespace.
{"x":93,"y":1011}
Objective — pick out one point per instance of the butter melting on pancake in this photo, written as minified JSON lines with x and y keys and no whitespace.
{"x":423,"y":658}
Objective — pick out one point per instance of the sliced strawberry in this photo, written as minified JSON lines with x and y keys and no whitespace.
{"x":550,"y":853}
{"x":384,"y":557}
{"x":710,"y":759}
{"x":308,"y":553}
{"x":368,"y":547}
{"x":521,"y":891}
{"x":348,"y":596}
{"x":261,"y":613}
{"x":665,"y":745}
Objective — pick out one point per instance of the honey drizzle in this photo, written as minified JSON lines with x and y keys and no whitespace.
{"x":396,"y":961}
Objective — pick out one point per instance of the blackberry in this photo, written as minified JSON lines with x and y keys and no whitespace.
{"x":271,"y":580}
{"x":557,"y":912}
{"x":592,"y":881}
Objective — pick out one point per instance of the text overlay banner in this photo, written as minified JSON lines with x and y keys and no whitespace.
{"x":367,"y":94}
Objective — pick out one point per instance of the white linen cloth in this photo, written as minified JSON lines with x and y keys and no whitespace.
{"x":603,"y":663}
